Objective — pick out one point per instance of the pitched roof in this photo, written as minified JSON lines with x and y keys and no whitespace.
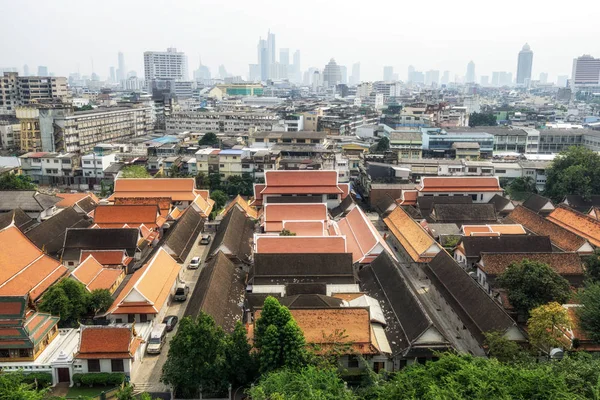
{"x":493,"y":230}
{"x":500,"y":202}
{"x":107,"y":342}
{"x":274,"y":214}
{"x":105,"y":257}
{"x":475,"y":245}
{"x":24,"y":269}
{"x":100,"y":239}
{"x":346,"y":205}
{"x":95,"y":276}
{"x":560,"y":237}
{"x":578,"y":203}
{"x":50,"y":234}
{"x":419,"y":245}
{"x":70,"y":199}
{"x":459,"y":184}
{"x":18,"y":217}
{"x":561,"y":263}
{"x":459,"y":213}
{"x":310,"y":301}
{"x":476,"y":309}
{"x":177,"y":189}
{"x":148,"y":288}
{"x":202,"y":205}
{"x":300,"y":244}
{"x":163,"y":203}
{"x":576,"y":222}
{"x":537,"y":203}
{"x":183,"y":235}
{"x":302,"y":182}
{"x":234,"y":235}
{"x":305,"y":228}
{"x":309,"y":267}
{"x":426,"y":203}
{"x":132,"y":215}
{"x":27,"y":200}
{"x":219,"y":293}
{"x":361,"y":236}
{"x":245,"y":206}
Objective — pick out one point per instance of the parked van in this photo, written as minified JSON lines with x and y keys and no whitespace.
{"x":157,"y":339}
{"x":181,"y":292}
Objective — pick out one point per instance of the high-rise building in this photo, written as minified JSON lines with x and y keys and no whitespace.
{"x":543,"y":77}
{"x":432,"y":77}
{"x":121,"y":69}
{"x":388,"y":73}
{"x":203,"y":73}
{"x":271,"y":47}
{"x":223,"y":72}
{"x":485,"y":80}
{"x":42,"y":71}
{"x":165,"y":65}
{"x":25,"y":70}
{"x":332,"y":75}
{"x":524,"y":66}
{"x":112,"y":75}
{"x":446,"y":78}
{"x":561,"y":80}
{"x":263,"y":59}
{"x":317,"y":80}
{"x":344,"y":72}
{"x":586,"y":71}
{"x":284,"y":56}
{"x":355,"y":78}
{"x":470,"y":75}
{"x":411,"y":71}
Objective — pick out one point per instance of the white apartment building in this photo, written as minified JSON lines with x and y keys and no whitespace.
{"x":165,"y":65}
{"x":93,"y":165}
{"x":9,"y":135}
{"x":586,"y":71}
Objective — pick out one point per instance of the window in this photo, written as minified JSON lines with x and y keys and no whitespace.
{"x":24,"y":352}
{"x":472,"y":169}
{"x":221,"y":165}
{"x":87,"y":162}
{"x":143,"y":317}
{"x":474,"y":197}
{"x":4,"y":353}
{"x":332,"y":197}
{"x":500,"y":171}
{"x":352,"y":362}
{"x":117,"y":365}
{"x":55,"y":161}
{"x":130,"y":318}
{"x":93,"y":365}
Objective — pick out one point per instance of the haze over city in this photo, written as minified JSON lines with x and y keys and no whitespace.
{"x":441,"y":36}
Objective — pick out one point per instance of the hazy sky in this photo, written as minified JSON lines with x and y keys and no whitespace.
{"x":444,"y":35}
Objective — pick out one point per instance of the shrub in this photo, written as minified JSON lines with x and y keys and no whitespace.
{"x":44,"y":379}
{"x":99,"y":378}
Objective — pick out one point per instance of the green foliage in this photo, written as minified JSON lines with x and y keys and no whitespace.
{"x":220,"y":199}
{"x":521,"y":188}
{"x":106,"y":189}
{"x":278,"y":339}
{"x":85,"y":107}
{"x":286,"y":232}
{"x":134,"y":171}
{"x":592,"y":266}
{"x":241,"y":365}
{"x":502,"y":349}
{"x":99,"y":379}
{"x":393,"y":109}
{"x":125,"y":393}
{"x":176,"y":172}
{"x":546,"y":326}
{"x":214,"y":181}
{"x":100,"y":300}
{"x":209,"y":139}
{"x":16,"y":182}
{"x":243,"y":185}
{"x":383,"y":145}
{"x":202,"y":181}
{"x":40,"y":379}
{"x":308,"y":383}
{"x":482,"y":119}
{"x":575,"y":171}
{"x":14,"y":387}
{"x":589,"y":313}
{"x":531,"y":284}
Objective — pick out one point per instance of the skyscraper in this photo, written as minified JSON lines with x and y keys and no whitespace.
{"x":355,"y":78}
{"x":524,"y":65}
{"x":432,"y":77}
{"x":203,"y":73}
{"x":344,"y":72}
{"x":332,"y":75}
{"x":297,"y":68}
{"x":223,"y":72}
{"x":561,"y":80}
{"x":263,"y":59}
{"x":586,"y":71}
{"x":470,"y":76}
{"x":543,"y":77}
{"x":165,"y":66}
{"x":121,"y":69}
{"x":446,"y":78}
{"x":42,"y":70}
{"x":411,"y":71}
{"x":388,"y":73}
{"x":113,"y":77}
{"x":271,"y":47}
{"x":25,"y":70}
{"x":485,"y":80}
{"x":284,"y":56}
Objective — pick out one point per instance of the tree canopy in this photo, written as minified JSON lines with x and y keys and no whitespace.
{"x":531,"y":284}
{"x":501,"y":348}
{"x":16,"y":182}
{"x":134,"y":171}
{"x":589,"y":313}
{"x":521,"y":188}
{"x":482,"y":119}
{"x":383,"y":145}
{"x":220,"y":199}
{"x":592,"y":266}
{"x":575,"y":171}
{"x":13,"y":387}
{"x":546,"y":326}
{"x":209,"y":139}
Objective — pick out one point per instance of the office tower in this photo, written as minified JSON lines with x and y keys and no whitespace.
{"x":165,"y":65}
{"x":316,"y":80}
{"x":271,"y":47}
{"x":332,"y":75}
{"x":418,"y":77}
{"x":355,"y":78}
{"x":432,"y":77}
{"x":42,"y":70}
{"x":284,"y":56}
{"x":543,"y":77}
{"x":25,"y":70}
{"x":344,"y":72}
{"x":586,"y":71}
{"x":112,"y":75}
{"x":388,"y":73}
{"x":495,"y":78}
{"x":485,"y":80}
{"x":470,"y":76}
{"x":263,"y":59}
{"x":561,"y":80}
{"x":524,"y":66}
{"x":411,"y":70}
{"x":203,"y":72}
{"x":446,"y":78}
{"x":222,"y":72}
{"x":121,"y":68}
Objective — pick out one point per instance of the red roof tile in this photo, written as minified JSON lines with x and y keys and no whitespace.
{"x":133,"y":215}
{"x":576,"y":222}
{"x":106,"y":342}
{"x":298,"y":244}
{"x":177,"y":189}
{"x":108,"y":257}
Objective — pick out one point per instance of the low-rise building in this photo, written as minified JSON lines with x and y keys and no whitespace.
{"x":480,"y":189}
{"x":203,"y":121}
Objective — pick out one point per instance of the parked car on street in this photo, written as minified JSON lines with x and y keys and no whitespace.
{"x":195,"y":263}
{"x":181,"y":292}
{"x":157,"y":339}
{"x":170,"y":321}
{"x":205,"y":238}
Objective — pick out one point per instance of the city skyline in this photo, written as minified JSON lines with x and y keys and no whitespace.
{"x":233,"y":44}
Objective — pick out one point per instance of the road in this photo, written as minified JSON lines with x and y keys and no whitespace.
{"x":146,"y":376}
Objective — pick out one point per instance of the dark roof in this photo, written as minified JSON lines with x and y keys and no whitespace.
{"x":294,"y":268}
{"x":499,"y":202}
{"x":234,"y":235}
{"x":562,"y":263}
{"x":343,"y":207}
{"x":426,"y":203}
{"x":535,"y":202}
{"x":78,"y":239}
{"x":27,"y":200}
{"x":475,"y":308}
{"x":578,"y":203}
{"x":292,"y":289}
{"x":18,"y":216}
{"x":311,"y":301}
{"x":50,"y":234}
{"x":475,"y":245}
{"x":257,"y":300}
{"x":181,"y":238}
{"x":219,"y":292}
{"x":412,"y":211}
{"x":464,"y":213}
{"x":384,"y":203}
{"x":87,"y":204}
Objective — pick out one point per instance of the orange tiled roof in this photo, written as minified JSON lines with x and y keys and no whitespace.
{"x":133,"y":215}
{"x":507,"y":229}
{"x":69,"y":199}
{"x":299,"y":244}
{"x":274,"y":214}
{"x":24,"y":269}
{"x":576,"y":222}
{"x":305,"y":228}
{"x":418,"y":244}
{"x":459,"y":184}
{"x":105,"y":257}
{"x":408,"y":198}
{"x":243,"y":204}
{"x":204,"y":206}
{"x":152,"y":282}
{"x":301,"y":178}
{"x":361,"y":235}
{"x":178,"y":189}
{"x":107,"y":342}
{"x":559,"y":236}
{"x":95,"y":276}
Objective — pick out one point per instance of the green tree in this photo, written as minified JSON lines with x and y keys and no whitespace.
{"x":503,"y":349}
{"x":220,"y":199}
{"x":482,"y":119}
{"x":214,"y":181}
{"x":531,"y":284}
{"x":241,"y":366}
{"x":278,"y":339}
{"x":100,"y":300}
{"x":202,"y":181}
{"x":575,"y":171}
{"x":209,"y":139}
{"x":383,"y":145}
{"x":175,"y":171}
{"x":16,"y":182}
{"x":196,"y":358}
{"x":308,"y":383}
{"x":85,"y":107}
{"x":68,"y":299}
{"x":592,"y":266}
{"x":134,"y":171}
{"x":125,"y":393}
{"x":13,"y":387}
{"x":521,"y":188}
{"x":286,"y":232}
{"x":546,"y":326}
{"x":589,"y":312}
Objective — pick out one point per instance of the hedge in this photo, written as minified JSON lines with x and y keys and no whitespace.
{"x":99,"y":378}
{"x":44,"y":379}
